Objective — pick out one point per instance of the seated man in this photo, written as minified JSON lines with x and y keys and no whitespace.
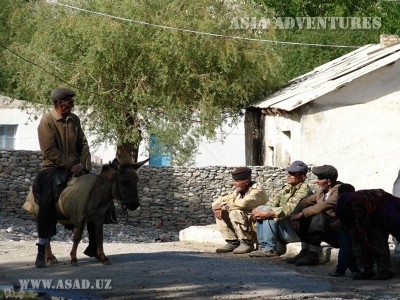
{"x":232,"y":212}
{"x":281,"y":206}
{"x":313,"y":216}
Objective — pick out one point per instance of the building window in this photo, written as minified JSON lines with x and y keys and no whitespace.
{"x":7,"y":136}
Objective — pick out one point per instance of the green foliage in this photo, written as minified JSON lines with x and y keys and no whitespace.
{"x":298,"y":60}
{"x":133,"y":80}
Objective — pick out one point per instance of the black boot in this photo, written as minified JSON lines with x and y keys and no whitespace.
{"x":302,"y":253}
{"x":311,"y":259}
{"x":91,"y":249}
{"x":383,"y":275}
{"x":368,"y":273}
{"x":40,"y":258}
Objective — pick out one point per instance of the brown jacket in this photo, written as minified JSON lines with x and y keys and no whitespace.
{"x":316,"y":204}
{"x":62,"y":141}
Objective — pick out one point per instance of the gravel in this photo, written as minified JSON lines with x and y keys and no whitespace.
{"x":18,"y":229}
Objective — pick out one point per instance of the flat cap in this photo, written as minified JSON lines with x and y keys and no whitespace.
{"x":298,"y":166}
{"x":61,"y":93}
{"x":326,"y":172}
{"x":241,"y":173}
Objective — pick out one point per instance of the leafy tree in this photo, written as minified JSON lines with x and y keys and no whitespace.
{"x":297,"y":60}
{"x":133,"y":79}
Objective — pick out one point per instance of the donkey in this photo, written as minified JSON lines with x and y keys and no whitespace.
{"x":116,"y":181}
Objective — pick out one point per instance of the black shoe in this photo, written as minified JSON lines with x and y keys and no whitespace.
{"x":301,"y":254}
{"x":311,"y":259}
{"x":281,"y":248}
{"x":366,"y":274}
{"x":40,"y":258}
{"x":383,"y":275}
{"x":336,"y":273}
{"x":355,"y":274}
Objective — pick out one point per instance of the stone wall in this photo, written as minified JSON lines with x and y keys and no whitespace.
{"x":172,"y":198}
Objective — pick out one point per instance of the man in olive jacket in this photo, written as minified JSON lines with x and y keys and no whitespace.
{"x":233,"y":212}
{"x":313,"y":216}
{"x":65,"y":152}
{"x":269,"y":229}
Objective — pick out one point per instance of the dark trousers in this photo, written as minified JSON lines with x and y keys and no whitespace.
{"x":317,"y":228}
{"x":46,"y":189}
{"x":346,"y":257}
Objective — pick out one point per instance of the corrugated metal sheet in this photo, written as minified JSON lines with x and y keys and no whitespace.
{"x":330,"y":76}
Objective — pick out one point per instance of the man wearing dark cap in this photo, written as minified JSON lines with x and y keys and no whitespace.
{"x":281,"y":206}
{"x":313,"y":217}
{"x":233,"y":212}
{"x":65,"y":151}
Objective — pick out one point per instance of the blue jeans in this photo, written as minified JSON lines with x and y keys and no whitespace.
{"x":270,"y":231}
{"x":266,"y":232}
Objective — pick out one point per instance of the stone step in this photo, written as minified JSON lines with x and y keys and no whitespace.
{"x":209,"y":234}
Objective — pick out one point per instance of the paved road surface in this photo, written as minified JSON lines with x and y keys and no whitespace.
{"x":177,"y":270}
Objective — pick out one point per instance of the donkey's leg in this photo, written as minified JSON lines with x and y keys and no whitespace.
{"x":50,"y":258}
{"x":91,"y":249}
{"x":100,"y":251}
{"x":76,"y":239}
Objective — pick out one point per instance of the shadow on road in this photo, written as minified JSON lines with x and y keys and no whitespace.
{"x":190,"y":275}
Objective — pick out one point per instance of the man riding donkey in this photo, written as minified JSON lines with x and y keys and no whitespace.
{"x":65,"y":152}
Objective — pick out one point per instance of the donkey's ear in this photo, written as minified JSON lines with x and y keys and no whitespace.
{"x":139,"y":164}
{"x":115,"y":164}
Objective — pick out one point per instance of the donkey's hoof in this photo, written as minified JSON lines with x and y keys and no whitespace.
{"x":106,"y":262}
{"x":51,"y":261}
{"x":74,"y":262}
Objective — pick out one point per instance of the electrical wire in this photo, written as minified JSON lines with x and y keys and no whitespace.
{"x":195,"y":31}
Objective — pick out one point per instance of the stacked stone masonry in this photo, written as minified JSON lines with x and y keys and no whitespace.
{"x":172,"y":198}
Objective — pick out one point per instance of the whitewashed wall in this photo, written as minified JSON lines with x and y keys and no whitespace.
{"x":230,"y":152}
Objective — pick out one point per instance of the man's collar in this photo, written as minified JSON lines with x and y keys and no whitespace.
{"x":55,"y":114}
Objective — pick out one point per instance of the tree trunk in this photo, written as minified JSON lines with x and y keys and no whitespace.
{"x":127,"y":153}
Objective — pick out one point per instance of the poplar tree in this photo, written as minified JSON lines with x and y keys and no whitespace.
{"x":134,"y":79}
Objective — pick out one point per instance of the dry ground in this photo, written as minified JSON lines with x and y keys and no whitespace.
{"x":177,"y":270}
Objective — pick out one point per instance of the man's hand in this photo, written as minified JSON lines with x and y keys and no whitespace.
{"x":262,"y":214}
{"x":78,"y":170}
{"x":217,"y":211}
{"x":295,"y":219}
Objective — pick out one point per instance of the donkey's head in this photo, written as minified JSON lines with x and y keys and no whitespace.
{"x":125,"y":188}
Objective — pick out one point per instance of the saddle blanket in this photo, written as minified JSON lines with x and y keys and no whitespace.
{"x":72,"y":203}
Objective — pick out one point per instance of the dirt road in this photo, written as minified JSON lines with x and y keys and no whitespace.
{"x":176,"y":270}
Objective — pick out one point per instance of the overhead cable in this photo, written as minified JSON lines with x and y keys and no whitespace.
{"x":197,"y":32}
